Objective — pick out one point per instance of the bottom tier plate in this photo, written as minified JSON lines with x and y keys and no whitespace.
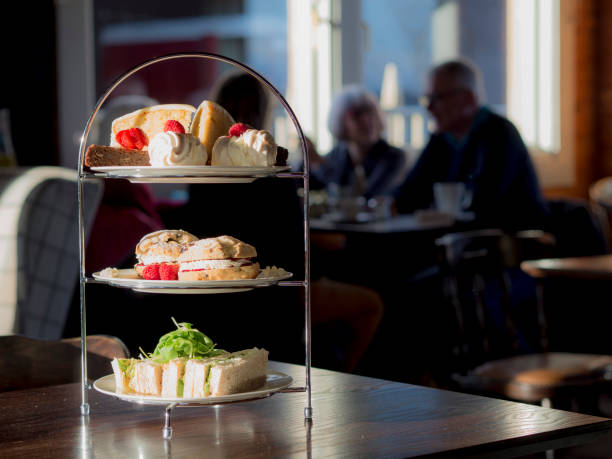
{"x":275,"y":381}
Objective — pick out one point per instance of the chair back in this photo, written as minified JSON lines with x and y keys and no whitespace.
{"x":39,"y":241}
{"x":27,"y":363}
{"x":496,"y":306}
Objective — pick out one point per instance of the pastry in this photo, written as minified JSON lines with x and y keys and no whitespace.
{"x":218,"y":258}
{"x":151,"y":121}
{"x":157,"y":254}
{"x":247,"y":147}
{"x":176,"y":149}
{"x":209,"y":123}
{"x":100,"y":155}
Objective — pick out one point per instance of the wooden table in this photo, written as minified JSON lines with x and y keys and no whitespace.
{"x":593,"y":267}
{"x":353,"y":417}
{"x":397,"y":224}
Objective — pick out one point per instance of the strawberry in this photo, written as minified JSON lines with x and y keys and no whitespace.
{"x":168,"y":271}
{"x":174,"y":126}
{"x":133,"y":138}
{"x":151,"y":272}
{"x":238,"y":129}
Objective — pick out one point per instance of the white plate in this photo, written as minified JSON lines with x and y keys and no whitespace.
{"x":190,"y":174}
{"x":275,"y":381}
{"x":128,"y":278}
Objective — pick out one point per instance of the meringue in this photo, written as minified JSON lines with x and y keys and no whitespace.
{"x":176,"y":149}
{"x":252,"y":148}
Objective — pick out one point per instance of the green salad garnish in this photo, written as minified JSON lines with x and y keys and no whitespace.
{"x":186,"y":342}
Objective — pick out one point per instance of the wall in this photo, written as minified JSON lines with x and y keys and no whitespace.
{"x":603,"y":84}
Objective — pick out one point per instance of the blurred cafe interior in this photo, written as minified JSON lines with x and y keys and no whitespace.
{"x":459,"y":198}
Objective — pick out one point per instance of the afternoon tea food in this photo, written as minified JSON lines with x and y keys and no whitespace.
{"x":103,"y":156}
{"x":179,"y":255}
{"x":180,"y":135}
{"x":186,"y":364}
{"x":217,"y":258}
{"x":250,"y":147}
{"x":210,"y":122}
{"x":176,"y":149}
{"x":137,"y":129}
{"x":157,"y":254}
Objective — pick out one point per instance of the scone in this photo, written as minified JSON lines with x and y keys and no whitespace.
{"x":157,"y":254}
{"x":151,"y":121}
{"x":217,"y":258}
{"x":210,"y":122}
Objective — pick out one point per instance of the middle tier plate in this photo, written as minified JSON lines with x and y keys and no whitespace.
{"x":188,"y":174}
{"x":127,"y":278}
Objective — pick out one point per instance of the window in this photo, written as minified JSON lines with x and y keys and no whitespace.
{"x":533,"y":72}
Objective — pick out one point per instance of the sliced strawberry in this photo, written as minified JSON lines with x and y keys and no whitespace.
{"x":168,"y":271}
{"x":238,"y":129}
{"x":151,"y":272}
{"x":133,"y":138}
{"x":174,"y":126}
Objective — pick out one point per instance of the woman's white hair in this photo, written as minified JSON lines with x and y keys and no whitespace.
{"x":350,"y":97}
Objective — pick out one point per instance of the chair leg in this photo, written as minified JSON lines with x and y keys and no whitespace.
{"x":541,"y":316}
{"x":479,"y":294}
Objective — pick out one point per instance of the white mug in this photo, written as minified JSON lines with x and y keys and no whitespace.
{"x":450,"y":197}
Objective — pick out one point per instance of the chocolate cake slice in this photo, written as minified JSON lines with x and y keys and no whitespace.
{"x":100,"y":156}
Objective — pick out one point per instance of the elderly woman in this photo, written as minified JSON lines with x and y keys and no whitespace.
{"x":361,"y":163}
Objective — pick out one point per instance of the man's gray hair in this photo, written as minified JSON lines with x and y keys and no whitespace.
{"x":464,"y":73}
{"x":350,"y":97}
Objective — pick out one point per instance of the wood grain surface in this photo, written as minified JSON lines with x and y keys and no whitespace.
{"x":353,"y":417}
{"x":594,"y":267}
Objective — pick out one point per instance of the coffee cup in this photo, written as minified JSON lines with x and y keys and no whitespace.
{"x":450,"y":197}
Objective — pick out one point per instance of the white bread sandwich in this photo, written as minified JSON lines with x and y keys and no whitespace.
{"x":186,"y":364}
{"x":234,"y":373}
{"x":217,"y":258}
{"x":123,"y":370}
{"x":239,"y":372}
{"x":147,"y":379}
{"x":137,"y":376}
{"x":157,"y":254}
{"x":172,"y":378}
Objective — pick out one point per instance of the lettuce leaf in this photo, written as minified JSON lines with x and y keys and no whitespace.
{"x":185,"y":341}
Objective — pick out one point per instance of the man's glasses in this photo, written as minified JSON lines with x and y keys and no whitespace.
{"x":431,"y":99}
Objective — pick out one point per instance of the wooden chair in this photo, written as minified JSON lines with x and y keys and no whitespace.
{"x":491,"y":359}
{"x":28,"y":363}
{"x":600,"y":196}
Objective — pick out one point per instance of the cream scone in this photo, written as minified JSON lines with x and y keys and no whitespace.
{"x":252,"y":148}
{"x":217,"y":258}
{"x":157,"y":253}
{"x":210,"y":122}
{"x":151,"y":120}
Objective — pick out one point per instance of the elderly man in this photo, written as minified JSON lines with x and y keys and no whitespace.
{"x":477,"y":147}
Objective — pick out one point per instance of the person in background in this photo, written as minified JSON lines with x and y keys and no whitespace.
{"x":475,"y":146}
{"x":362,"y":162}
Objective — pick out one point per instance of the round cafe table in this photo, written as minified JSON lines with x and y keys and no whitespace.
{"x":592,"y":267}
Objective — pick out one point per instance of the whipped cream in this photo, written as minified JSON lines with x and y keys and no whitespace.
{"x":213,"y":264}
{"x":155,"y":259}
{"x":175,"y":149}
{"x":252,"y":148}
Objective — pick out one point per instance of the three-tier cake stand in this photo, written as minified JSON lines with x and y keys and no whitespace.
{"x":208,"y":174}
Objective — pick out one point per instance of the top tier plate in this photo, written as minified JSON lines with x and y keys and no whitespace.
{"x":188,"y":174}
